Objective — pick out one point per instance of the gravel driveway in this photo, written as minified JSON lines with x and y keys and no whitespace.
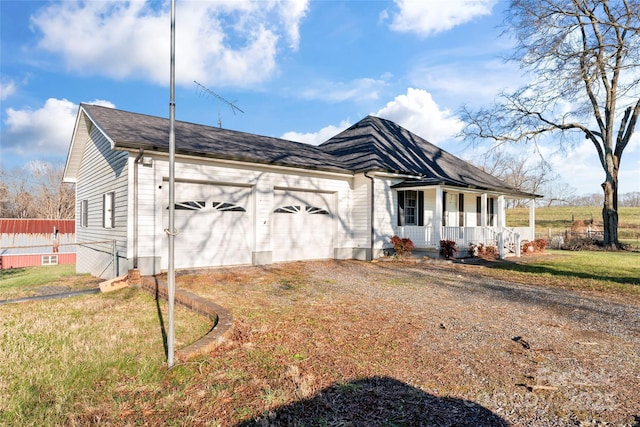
{"x":532,"y":355}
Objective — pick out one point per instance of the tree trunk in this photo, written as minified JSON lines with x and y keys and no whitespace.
{"x":610,"y":214}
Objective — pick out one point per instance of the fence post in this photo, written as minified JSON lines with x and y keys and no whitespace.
{"x":517,"y":245}
{"x":501,"y":245}
{"x":115,"y":258}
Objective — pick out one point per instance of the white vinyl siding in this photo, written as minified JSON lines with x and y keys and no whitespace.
{"x":102,"y":171}
{"x":360,"y":212}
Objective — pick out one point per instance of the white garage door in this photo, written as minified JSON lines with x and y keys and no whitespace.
{"x":213,"y":223}
{"x":302,"y":225}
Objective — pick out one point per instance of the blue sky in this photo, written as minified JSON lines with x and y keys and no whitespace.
{"x":301,"y":70}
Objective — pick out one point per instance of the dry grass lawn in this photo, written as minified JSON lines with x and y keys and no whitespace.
{"x":337,"y":343}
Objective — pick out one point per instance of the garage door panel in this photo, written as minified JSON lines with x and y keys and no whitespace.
{"x":213,"y":223}
{"x":302,"y":226}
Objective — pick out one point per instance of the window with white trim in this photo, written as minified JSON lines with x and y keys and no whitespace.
{"x":410,"y":207}
{"x":49,"y":259}
{"x":109,"y":210}
{"x":84,"y":213}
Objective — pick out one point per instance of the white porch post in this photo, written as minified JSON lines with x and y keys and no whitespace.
{"x":483,"y":217}
{"x":483,"y":214}
{"x":502,"y":220}
{"x":437,"y":222}
{"x":532,"y":218}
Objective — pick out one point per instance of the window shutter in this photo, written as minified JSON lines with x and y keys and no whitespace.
{"x":113,"y":209}
{"x":84,"y":213}
{"x":400,"y":208}
{"x":104,"y":209}
{"x":478,"y":211}
{"x":444,"y":208}
{"x":420,"y":212}
{"x":491,"y":209}
{"x":461,"y":210}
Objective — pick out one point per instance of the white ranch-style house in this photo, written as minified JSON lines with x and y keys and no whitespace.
{"x":248,"y":199}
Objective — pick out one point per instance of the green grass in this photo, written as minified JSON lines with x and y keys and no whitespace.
{"x":558,"y":219}
{"x":594,"y":270}
{"x":22,"y":282}
{"x":84,"y":355}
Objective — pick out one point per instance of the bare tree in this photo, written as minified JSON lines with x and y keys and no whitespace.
{"x":630,"y":200}
{"x":584,"y":60}
{"x":557,"y":192}
{"x":36,"y":191}
{"x":55,"y":200}
{"x":520,"y":172}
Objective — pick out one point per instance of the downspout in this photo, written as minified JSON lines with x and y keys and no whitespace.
{"x":372,"y":213}
{"x":135,"y":207}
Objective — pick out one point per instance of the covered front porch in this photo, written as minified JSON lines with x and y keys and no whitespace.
{"x":429,"y":214}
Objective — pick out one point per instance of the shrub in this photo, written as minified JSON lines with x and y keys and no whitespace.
{"x":481,"y":250}
{"x":527,"y":247}
{"x":402,"y":246}
{"x":540,"y":245}
{"x":448,"y":248}
{"x":491,"y":250}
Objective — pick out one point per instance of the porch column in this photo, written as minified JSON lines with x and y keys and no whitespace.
{"x":437,"y":220}
{"x":532,"y":219}
{"x":501,"y":213}
{"x":483,"y":213}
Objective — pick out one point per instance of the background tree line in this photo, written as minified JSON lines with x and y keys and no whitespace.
{"x":36,"y":191}
{"x":537,"y":177}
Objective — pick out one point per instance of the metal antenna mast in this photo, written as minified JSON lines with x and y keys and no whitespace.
{"x":204,"y":90}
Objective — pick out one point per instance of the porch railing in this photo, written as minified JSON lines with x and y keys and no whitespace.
{"x":425,"y":237}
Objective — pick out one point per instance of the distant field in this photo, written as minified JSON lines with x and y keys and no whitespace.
{"x":558,"y":219}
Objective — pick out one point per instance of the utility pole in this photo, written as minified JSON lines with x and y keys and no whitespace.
{"x":171,"y":232}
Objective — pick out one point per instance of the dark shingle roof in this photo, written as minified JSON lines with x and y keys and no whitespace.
{"x":372,"y":144}
{"x":375,"y":144}
{"x":133,"y":131}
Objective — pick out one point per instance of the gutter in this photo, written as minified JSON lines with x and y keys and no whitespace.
{"x":372,"y":212}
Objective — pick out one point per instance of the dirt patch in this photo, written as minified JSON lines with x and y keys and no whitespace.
{"x":393,"y":343}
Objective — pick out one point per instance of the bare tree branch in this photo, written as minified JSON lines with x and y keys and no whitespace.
{"x":584,"y":54}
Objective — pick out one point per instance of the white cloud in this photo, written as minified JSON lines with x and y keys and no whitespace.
{"x":430,"y":17}
{"x":418,"y":112}
{"x":316,"y":138}
{"x":358,"y":89}
{"x":7,"y":88}
{"x":45,"y":131}
{"x":226,"y":43}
